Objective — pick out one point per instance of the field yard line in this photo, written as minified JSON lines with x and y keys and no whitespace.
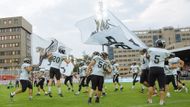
{"x":156,"y":104}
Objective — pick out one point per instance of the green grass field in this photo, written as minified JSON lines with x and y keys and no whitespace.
{"x":127,"y":98}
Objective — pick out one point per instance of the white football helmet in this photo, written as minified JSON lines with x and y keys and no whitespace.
{"x":27,"y":60}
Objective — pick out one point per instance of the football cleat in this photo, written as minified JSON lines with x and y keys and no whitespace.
{"x":97,"y":100}
{"x":61,"y":95}
{"x":46,"y":93}
{"x":161,"y":102}
{"x":77,"y":93}
{"x":149,"y":101}
{"x":168,"y":94}
{"x":103,"y":94}
{"x":50,"y":95}
{"x":121,"y":89}
{"x":30,"y":98}
{"x":11,"y":96}
{"x":142,"y":90}
{"x":90,"y":101}
{"x":116,"y":89}
{"x":37,"y":94}
{"x":186,"y":90}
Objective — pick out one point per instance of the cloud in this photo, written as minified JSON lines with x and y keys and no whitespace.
{"x":26,"y":7}
{"x":57,"y":18}
{"x":113,"y":3}
{"x":164,"y":13}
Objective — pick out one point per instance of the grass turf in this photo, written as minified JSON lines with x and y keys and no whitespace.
{"x":127,"y":98}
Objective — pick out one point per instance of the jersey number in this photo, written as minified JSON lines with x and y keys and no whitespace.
{"x":100,"y":64}
{"x":156,"y":59}
{"x":56,"y":59}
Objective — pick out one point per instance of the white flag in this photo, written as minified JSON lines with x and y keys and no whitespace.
{"x":108,"y":31}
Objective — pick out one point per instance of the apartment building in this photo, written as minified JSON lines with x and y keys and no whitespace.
{"x":15,"y":41}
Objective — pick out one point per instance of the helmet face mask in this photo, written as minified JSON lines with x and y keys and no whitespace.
{"x":81,"y":63}
{"x":134,"y":63}
{"x":160,"y":43}
{"x":104,"y":55}
{"x":27,"y":60}
{"x":95,"y":53}
{"x":61,"y":50}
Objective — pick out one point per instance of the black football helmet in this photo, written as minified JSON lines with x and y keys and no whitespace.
{"x":160,"y":43}
{"x":81,"y":63}
{"x":61,"y":50}
{"x":95,"y":53}
{"x":104,"y":55}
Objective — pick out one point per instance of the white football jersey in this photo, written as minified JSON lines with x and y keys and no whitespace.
{"x":167,"y":70}
{"x":115,"y":68}
{"x":57,"y":59}
{"x":157,"y":57}
{"x":174,"y":60}
{"x":144,"y":62}
{"x":68,"y":69}
{"x":82,"y":71}
{"x":24,"y":75}
{"x":98,"y":67}
{"x":135,"y":68}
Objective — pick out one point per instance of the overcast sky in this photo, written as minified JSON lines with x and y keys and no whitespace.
{"x":57,"y":18}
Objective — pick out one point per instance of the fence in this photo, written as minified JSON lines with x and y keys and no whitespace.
{"x":9,"y":74}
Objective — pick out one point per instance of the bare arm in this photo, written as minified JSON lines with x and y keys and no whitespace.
{"x":29,"y":68}
{"x":49,"y":56}
{"x":89,"y":68}
{"x":181,"y":63}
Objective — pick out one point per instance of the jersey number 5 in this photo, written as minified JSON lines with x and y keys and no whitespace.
{"x":100,"y":64}
{"x":156,"y":59}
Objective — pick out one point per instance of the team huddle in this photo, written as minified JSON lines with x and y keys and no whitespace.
{"x":156,"y":64}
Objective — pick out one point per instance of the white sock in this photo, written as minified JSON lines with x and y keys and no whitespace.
{"x":149,"y":100}
{"x":13,"y":93}
{"x":49,"y":88}
{"x":161,"y":102}
{"x":59,"y":90}
{"x":121,"y":86}
{"x":142,"y":87}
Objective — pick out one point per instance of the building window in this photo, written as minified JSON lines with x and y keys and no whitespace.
{"x":5,"y":22}
{"x":10,"y":21}
{"x":178,"y":38}
{"x":2,"y":61}
{"x":15,"y":21}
